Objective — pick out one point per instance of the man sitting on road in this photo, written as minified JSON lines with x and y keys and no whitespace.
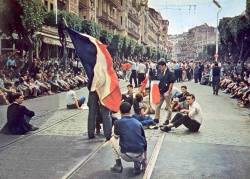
{"x":190,"y":118}
{"x":129,"y":141}
{"x":18,"y":117}
{"x":128,"y":97}
{"x":72,"y":101}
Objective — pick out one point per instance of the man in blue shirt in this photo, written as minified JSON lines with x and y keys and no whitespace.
{"x":129,"y":141}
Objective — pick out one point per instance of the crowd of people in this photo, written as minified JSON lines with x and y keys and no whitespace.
{"x":19,"y":81}
{"x":42,"y":77}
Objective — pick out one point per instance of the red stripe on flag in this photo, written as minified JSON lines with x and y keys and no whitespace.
{"x":143,"y":84}
{"x":155,"y":94}
{"x":113,"y":100}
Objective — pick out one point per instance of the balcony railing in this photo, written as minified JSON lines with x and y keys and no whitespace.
{"x":116,"y":3}
{"x":133,"y":33}
{"x":105,"y":17}
{"x":133,"y":15}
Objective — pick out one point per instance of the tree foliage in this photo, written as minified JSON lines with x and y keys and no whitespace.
{"x":235,"y":37}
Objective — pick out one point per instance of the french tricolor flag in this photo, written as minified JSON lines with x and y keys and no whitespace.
{"x":98,"y":65}
{"x":154,"y":93}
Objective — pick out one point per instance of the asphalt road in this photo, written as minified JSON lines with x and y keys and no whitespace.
{"x":220,"y":150}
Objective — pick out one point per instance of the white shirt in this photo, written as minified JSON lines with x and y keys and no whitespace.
{"x":70,"y":97}
{"x":141,"y":68}
{"x":195,"y":112}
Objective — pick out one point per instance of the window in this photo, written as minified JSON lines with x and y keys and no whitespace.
{"x":51,"y":6}
{"x":46,"y":4}
{"x":121,"y":20}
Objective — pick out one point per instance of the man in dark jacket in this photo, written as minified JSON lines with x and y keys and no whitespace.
{"x":216,"y":78}
{"x":129,"y":141}
{"x":165,"y":86}
{"x":18,"y":117}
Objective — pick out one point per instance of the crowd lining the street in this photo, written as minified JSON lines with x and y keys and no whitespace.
{"x":42,"y":77}
{"x":128,"y":140}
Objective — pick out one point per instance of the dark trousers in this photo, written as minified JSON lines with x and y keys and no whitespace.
{"x":191,"y":124}
{"x":133,"y":76}
{"x":141,"y":77}
{"x":216,"y":84}
{"x":93,"y":114}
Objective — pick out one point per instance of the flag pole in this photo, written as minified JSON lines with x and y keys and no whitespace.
{"x":55,"y":4}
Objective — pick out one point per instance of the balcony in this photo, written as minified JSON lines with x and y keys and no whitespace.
{"x":133,"y":15}
{"x":116,"y":3}
{"x":133,"y":33}
{"x":152,"y":39}
{"x":106,"y":18}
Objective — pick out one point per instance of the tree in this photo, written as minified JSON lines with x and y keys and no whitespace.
{"x":125,"y":44}
{"x":106,"y":37}
{"x":91,"y":28}
{"x":115,"y":46}
{"x":235,"y":37}
{"x":25,"y":20}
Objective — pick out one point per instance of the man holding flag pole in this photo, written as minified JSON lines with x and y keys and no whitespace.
{"x":103,"y":83}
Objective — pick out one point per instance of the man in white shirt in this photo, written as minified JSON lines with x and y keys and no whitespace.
{"x":72,"y":101}
{"x":141,"y":72}
{"x":133,"y":75}
{"x":190,"y":118}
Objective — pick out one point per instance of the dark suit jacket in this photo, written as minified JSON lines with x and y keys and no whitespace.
{"x":16,"y":122}
{"x":165,"y":81}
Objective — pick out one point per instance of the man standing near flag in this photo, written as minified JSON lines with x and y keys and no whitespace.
{"x":165,"y":86}
{"x":103,"y":83}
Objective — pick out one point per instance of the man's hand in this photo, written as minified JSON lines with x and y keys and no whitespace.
{"x":184,"y":111}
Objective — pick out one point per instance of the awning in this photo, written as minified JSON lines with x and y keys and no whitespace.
{"x":54,"y":40}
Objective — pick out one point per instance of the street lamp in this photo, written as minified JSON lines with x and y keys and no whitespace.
{"x":217,"y":30}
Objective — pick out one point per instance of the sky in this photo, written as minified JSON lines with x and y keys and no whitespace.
{"x":185,"y":14}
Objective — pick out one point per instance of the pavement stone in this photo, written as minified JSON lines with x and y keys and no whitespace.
{"x":224,"y":137}
{"x":199,"y":160}
{"x":219,"y":150}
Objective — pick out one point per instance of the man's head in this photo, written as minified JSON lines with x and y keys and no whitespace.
{"x":162,"y":65}
{"x":183,"y":89}
{"x":130,"y":88}
{"x":125,"y":108}
{"x":190,"y":99}
{"x":18,"y":98}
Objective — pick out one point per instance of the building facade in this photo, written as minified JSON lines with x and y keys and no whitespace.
{"x":130,"y":18}
{"x":188,"y":45}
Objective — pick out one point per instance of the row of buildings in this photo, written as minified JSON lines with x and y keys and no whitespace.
{"x":188,"y":45}
{"x":130,"y":18}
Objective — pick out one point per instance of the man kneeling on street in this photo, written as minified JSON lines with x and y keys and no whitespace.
{"x":129,"y":141}
{"x":190,"y":118}
{"x":18,"y":117}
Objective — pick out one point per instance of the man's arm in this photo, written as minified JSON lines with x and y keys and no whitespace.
{"x":27,"y":112}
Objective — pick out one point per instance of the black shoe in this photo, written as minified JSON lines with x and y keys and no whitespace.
{"x":107,"y":139}
{"x":137,"y":168}
{"x":98,"y":131}
{"x":156,"y":121}
{"x":165,"y":128}
{"x":91,"y":136}
{"x":166,"y":122}
{"x":117,"y":168}
{"x":33,"y":128}
{"x":143,"y":165}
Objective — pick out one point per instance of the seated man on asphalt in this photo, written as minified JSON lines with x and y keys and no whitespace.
{"x":72,"y":101}
{"x":18,"y":117}
{"x":129,"y":141}
{"x":190,"y":118}
{"x":128,"y":97}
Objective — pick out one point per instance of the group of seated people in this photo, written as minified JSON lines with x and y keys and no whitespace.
{"x":142,"y":109}
{"x":42,"y":78}
{"x":238,"y":87}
